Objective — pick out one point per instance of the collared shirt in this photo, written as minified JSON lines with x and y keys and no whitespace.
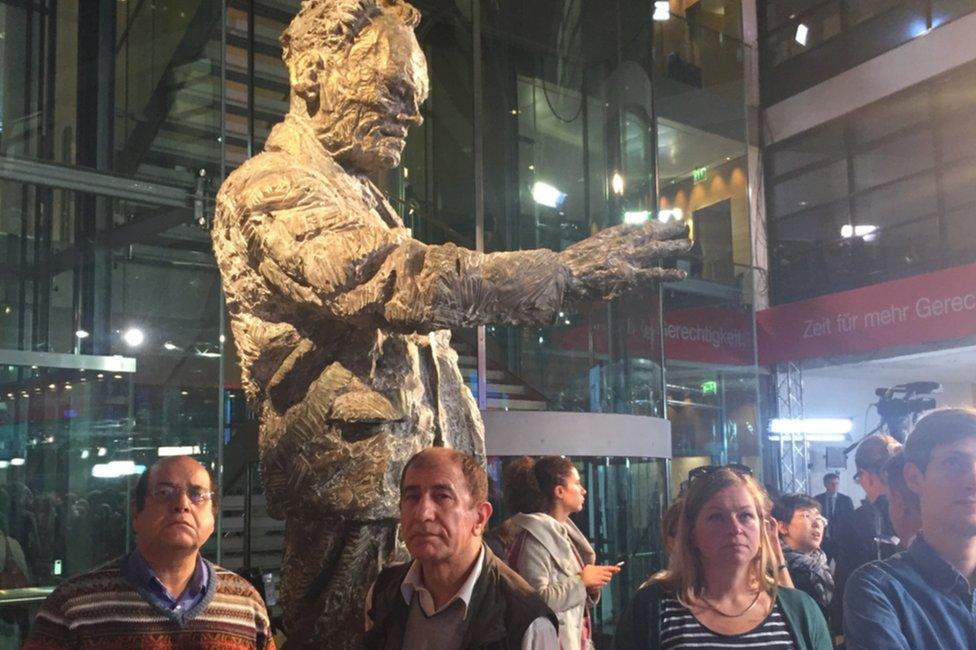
{"x":138,"y":571}
{"x":912,"y":600}
{"x":540,"y":635}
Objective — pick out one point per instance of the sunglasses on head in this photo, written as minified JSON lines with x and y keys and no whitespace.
{"x":706,"y":470}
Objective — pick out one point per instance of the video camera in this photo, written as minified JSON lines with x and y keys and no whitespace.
{"x":897,"y":406}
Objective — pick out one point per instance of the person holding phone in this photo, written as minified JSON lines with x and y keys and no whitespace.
{"x":548,"y":550}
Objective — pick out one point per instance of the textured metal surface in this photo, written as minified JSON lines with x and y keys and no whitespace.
{"x":340,"y":317}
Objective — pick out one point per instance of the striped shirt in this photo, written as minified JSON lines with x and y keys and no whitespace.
{"x":680,"y":629}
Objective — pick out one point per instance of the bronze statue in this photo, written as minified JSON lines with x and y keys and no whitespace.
{"x":341,"y":318}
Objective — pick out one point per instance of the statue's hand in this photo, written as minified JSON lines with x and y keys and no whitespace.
{"x":621,"y":258}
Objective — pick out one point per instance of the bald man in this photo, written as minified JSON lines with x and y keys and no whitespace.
{"x":164,"y":593}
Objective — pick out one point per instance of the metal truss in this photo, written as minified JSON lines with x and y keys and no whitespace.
{"x":793,"y":447}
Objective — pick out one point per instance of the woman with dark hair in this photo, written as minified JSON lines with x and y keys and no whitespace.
{"x":801,"y":529}
{"x":549,"y":551}
{"x":721,"y":587}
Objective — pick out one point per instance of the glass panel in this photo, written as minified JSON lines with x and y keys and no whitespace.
{"x":908,"y":154}
{"x":151,"y":110}
{"x":818,"y":145}
{"x":810,"y":188}
{"x":906,"y":200}
{"x":712,"y":388}
{"x":149,"y":292}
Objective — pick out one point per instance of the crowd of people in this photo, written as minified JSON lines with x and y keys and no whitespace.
{"x":743,"y":570}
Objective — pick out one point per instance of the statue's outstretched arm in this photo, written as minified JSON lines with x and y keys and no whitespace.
{"x":354,"y":268}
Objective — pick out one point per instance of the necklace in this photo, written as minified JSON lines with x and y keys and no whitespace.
{"x":742,"y":613}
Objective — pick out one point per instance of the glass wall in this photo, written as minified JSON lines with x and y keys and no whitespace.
{"x":805,"y":42}
{"x":118,"y":121}
{"x":878,"y":194}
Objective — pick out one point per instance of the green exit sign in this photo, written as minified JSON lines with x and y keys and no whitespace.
{"x":698,"y":175}
{"x":710,"y":387}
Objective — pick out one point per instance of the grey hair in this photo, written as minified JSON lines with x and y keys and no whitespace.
{"x":334,"y":24}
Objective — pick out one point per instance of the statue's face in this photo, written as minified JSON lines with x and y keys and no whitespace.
{"x":372,"y":97}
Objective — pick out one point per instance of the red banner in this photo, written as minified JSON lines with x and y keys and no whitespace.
{"x":709,"y":335}
{"x":705,"y":334}
{"x":937,"y":306}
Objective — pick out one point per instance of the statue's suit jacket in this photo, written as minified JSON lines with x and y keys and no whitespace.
{"x":340,"y":320}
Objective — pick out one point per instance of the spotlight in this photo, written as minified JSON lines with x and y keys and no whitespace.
{"x":617,"y":183}
{"x":547,"y":195}
{"x":801,"y":34}
{"x":133,"y":337}
{"x":662,"y":10}
{"x":82,"y":334}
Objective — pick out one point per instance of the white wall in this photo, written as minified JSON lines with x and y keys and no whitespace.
{"x":839,"y":397}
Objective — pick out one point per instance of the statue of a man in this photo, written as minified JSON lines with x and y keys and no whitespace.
{"x":341,"y":318}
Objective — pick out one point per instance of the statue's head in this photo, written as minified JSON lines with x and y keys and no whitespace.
{"x":359,"y":75}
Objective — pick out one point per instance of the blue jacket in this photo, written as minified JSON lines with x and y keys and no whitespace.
{"x":912,"y":600}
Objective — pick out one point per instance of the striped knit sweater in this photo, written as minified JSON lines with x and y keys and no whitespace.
{"x":101,"y":609}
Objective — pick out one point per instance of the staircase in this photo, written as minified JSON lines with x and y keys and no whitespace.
{"x":505,"y":391}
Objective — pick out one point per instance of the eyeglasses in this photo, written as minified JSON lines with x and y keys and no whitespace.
{"x":706,"y":470}
{"x":171,"y":494}
{"x":814,"y":518}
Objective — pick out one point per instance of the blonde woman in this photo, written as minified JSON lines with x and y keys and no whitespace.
{"x":720,"y":589}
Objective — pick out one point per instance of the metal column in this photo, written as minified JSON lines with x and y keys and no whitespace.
{"x":793,"y":447}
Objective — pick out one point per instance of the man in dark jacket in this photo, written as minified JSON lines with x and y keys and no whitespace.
{"x":455,"y":594}
{"x":834,"y":506}
{"x":865,"y":534}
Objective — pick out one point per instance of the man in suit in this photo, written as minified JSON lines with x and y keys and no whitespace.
{"x":834,"y":507}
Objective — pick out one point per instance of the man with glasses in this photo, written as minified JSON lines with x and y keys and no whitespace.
{"x":865,"y":534}
{"x":802,"y":528}
{"x":163,"y":593}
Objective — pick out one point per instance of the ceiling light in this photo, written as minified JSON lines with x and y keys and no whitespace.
{"x":17,"y":462}
{"x":169,"y":345}
{"x":811,"y":426}
{"x":133,"y":337}
{"x":101,"y":452}
{"x":188,"y":450}
{"x":617,"y":183}
{"x":116,"y":468}
{"x":82,"y":334}
{"x":662,"y":10}
{"x":801,"y":34}
{"x":547,"y":195}
{"x":813,"y":437}
{"x":4,"y":464}
{"x":639,"y":216}
{"x":867,"y":232}
{"x":85,"y":454}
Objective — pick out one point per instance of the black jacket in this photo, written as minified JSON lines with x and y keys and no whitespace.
{"x":503,"y":605}
{"x":843,"y":505}
{"x":858,"y":538}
